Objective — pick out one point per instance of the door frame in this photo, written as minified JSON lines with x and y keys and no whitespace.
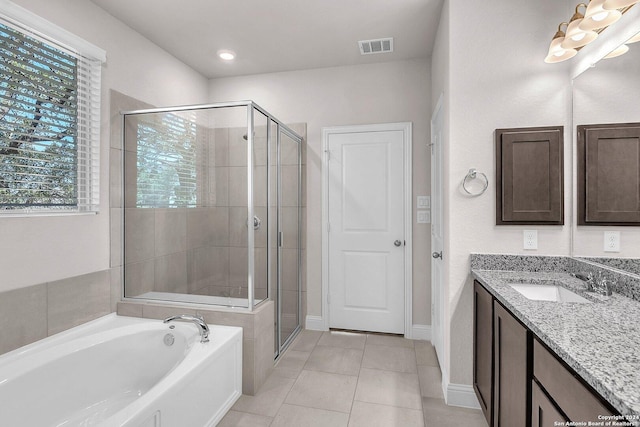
{"x":437,"y":283}
{"x":405,"y":128}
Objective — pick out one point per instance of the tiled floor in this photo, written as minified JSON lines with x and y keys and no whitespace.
{"x":339,"y":379}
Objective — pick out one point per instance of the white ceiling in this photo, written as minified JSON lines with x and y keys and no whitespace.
{"x":280,"y":35}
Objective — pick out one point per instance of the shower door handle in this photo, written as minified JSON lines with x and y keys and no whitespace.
{"x":257,"y":222}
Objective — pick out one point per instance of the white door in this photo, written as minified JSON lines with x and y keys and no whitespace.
{"x":437,"y":293}
{"x":366,"y":239}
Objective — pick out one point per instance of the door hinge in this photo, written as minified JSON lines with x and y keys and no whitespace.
{"x":328,"y":227}
{"x":280,"y":239}
{"x":328,"y":155}
{"x":328,"y":299}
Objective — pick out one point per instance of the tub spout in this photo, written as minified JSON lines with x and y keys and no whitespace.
{"x":197,"y":320}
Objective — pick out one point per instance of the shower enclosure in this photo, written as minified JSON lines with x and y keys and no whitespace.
{"x":213,"y":203}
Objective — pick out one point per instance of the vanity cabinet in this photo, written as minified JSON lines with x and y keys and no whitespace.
{"x":563,"y":387}
{"x":500,"y":367}
{"x":483,"y":348}
{"x":517,"y":379}
{"x":511,"y":379}
{"x":543,"y":412}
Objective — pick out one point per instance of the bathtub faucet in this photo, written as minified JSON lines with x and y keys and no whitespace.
{"x":197,"y":320}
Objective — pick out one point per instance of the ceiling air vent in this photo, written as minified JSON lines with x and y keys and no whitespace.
{"x":368,"y":47}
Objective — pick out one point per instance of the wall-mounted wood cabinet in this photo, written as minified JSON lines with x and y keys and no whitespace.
{"x":608,"y":174}
{"x":530,"y":176}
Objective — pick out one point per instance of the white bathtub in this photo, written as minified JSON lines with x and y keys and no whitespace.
{"x":118,"y":371}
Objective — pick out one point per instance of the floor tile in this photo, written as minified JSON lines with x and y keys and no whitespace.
{"x":323,"y":391}
{"x":298,"y":416}
{"x":395,"y":341}
{"x":291,"y":363}
{"x":343,"y":339}
{"x":337,"y":360}
{"x":426,"y":353}
{"x":268,"y":399}
{"x":438,"y":414}
{"x":306,"y":340}
{"x":389,"y":388}
{"x":399,"y":359}
{"x":374,"y":415}
{"x":242,"y":419}
{"x":430,"y":381}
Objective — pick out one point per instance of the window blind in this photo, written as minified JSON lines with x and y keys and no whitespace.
{"x":49,"y":124}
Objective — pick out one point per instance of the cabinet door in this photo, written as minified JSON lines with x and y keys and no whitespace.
{"x":483,"y":347}
{"x":567,"y":391}
{"x":529,"y":176}
{"x":544,"y":412}
{"x":511,"y":398}
{"x":608,"y":169}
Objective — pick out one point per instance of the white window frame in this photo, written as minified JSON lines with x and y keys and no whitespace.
{"x":93,"y":57}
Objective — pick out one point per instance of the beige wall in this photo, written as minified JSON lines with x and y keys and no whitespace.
{"x":497,"y":79}
{"x":45,"y":249}
{"x":375,"y":93}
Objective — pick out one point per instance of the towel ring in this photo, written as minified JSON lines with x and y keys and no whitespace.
{"x":473,"y":174}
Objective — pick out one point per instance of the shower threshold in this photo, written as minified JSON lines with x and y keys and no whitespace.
{"x":197,"y":299}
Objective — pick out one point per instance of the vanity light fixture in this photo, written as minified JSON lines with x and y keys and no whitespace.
{"x":583,"y":29}
{"x":620,"y":50}
{"x":634,"y":39}
{"x":575,"y":36}
{"x":618,"y":4}
{"x":556,"y":52}
{"x":226,"y":55}
{"x":597,"y":16}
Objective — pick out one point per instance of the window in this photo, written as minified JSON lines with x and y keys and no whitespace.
{"x":49,"y":123}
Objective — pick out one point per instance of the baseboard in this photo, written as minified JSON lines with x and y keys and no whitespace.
{"x":421,"y":332}
{"x":314,"y":323}
{"x":462,"y":395}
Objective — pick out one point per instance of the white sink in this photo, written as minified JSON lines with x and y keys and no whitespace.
{"x":547,"y":293}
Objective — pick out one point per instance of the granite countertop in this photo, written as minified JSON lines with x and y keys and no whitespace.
{"x":599,"y":340}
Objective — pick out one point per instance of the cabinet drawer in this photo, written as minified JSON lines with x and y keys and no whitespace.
{"x":577,"y":401}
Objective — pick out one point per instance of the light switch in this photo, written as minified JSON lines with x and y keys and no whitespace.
{"x":424,"y":217}
{"x":424,"y":202}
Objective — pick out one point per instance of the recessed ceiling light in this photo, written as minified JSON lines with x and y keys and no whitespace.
{"x":226,"y":55}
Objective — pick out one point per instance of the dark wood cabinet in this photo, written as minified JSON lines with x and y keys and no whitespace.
{"x":483,"y":348}
{"x":530,"y":176}
{"x":571,"y":396}
{"x":544,"y":412}
{"x":519,"y":382}
{"x":511,"y":379}
{"x":608,"y":160}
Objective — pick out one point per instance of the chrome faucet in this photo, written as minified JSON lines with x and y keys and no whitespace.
{"x":197,"y":320}
{"x":602,"y":284}
{"x":598,"y":283}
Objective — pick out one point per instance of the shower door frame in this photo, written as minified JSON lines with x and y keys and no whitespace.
{"x":251,"y":305}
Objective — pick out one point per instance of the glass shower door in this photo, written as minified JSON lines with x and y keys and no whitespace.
{"x":289,"y":174}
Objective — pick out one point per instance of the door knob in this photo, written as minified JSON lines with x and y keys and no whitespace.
{"x":437,"y":255}
{"x":397,"y":243}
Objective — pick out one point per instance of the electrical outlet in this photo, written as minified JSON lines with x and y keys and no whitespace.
{"x":530,"y":239}
{"x":612,"y":241}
